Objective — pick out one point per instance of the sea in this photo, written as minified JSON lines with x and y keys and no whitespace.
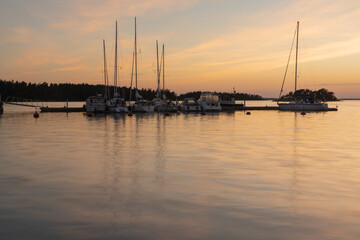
{"x":228,"y":175}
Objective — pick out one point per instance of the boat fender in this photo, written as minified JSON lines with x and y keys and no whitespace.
{"x":36,"y":114}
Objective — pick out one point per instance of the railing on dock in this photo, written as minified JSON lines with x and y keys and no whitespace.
{"x":23,"y":102}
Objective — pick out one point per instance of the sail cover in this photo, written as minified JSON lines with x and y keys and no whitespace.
{"x":137,"y":95}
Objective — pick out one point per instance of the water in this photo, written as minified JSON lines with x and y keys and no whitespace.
{"x":269,"y":175}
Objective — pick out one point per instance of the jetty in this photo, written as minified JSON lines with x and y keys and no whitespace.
{"x":63,"y":109}
{"x":67,"y":109}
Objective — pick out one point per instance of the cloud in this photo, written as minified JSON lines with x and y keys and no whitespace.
{"x":18,"y":35}
{"x":266,"y":43}
{"x":90,"y":16}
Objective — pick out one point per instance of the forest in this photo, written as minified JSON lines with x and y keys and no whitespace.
{"x":79,"y":92}
{"x":66,"y":91}
{"x":321,"y":94}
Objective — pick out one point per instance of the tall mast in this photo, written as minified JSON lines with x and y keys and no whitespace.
{"x":297,"y":48}
{"x":132,"y":76}
{"x":163,"y":67}
{"x":115,"y":70}
{"x":157,"y":70}
{"x":135,"y":55}
{"x":106,"y":95}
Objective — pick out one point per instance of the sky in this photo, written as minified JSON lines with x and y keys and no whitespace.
{"x":210,"y":45}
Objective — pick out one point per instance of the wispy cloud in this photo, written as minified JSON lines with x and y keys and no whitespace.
{"x":267,"y":44}
{"x":248,"y":49}
{"x":91,"y":16}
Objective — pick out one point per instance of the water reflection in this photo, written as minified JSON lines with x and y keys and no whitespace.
{"x":269,"y":175}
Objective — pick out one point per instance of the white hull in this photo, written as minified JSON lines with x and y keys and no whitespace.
{"x":185,"y":108}
{"x":96,"y":108}
{"x":210,"y":107}
{"x":167,"y":108}
{"x":95,"y":105}
{"x":118,"y":109}
{"x":139,"y":107}
{"x":117,"y":105}
{"x":210,"y":102}
{"x":164,"y":106}
{"x":190,"y":105}
{"x":293,"y":106}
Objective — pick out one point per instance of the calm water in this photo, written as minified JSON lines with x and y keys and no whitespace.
{"x":270,"y":175}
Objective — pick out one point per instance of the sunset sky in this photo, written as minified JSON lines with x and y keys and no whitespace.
{"x":209,"y":44}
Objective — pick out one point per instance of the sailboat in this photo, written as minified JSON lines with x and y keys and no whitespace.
{"x":116,"y":104}
{"x":160,"y":102}
{"x":98,"y":103}
{"x":301,"y":102}
{"x":140,"y":105}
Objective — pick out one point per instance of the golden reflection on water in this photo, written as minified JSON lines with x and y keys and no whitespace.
{"x":270,"y":175}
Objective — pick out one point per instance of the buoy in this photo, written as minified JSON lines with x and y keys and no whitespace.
{"x":303,"y":113}
{"x":36,"y":114}
{"x":89,"y":114}
{"x":130,"y":114}
{"x":248,"y":113}
{"x":167,"y":114}
{"x":203,"y":113}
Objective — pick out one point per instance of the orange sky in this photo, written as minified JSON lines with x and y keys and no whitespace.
{"x":209,"y":45}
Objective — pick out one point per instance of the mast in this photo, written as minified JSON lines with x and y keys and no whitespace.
{"x":297,"y":49}
{"x":106,"y":95}
{"x":157,"y":70}
{"x":132,"y":75}
{"x":135,"y":56}
{"x":115,"y":70}
{"x":163,"y":67}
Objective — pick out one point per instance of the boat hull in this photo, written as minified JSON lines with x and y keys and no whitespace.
{"x":165,"y":108}
{"x":195,"y":108}
{"x":206,"y":107}
{"x":142,"y":108}
{"x":118,"y":109}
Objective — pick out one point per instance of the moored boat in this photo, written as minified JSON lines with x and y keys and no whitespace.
{"x":116,"y":104}
{"x":140,"y":105}
{"x":209,"y":102}
{"x":160,"y":102}
{"x":190,"y":105}
{"x":301,"y":102}
{"x":96,"y":104}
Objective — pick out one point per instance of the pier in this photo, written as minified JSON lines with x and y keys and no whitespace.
{"x":62,"y":109}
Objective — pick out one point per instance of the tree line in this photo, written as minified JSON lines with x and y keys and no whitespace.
{"x":80,"y":92}
{"x":68,"y":91}
{"x":321,"y":94}
{"x":237,"y":96}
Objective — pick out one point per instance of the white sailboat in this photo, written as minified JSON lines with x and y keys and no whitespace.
{"x":116,"y":104}
{"x":140,"y":104}
{"x":98,"y":103}
{"x":300,"y":103}
{"x":160,"y":102}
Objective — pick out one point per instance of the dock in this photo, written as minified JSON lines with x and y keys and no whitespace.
{"x":267,"y":108}
{"x":62,"y":109}
{"x":249,"y":108}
